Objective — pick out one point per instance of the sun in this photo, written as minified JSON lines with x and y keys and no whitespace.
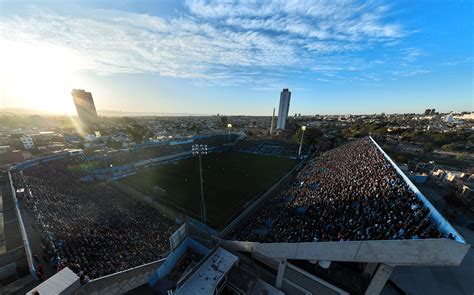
{"x":37,"y":76}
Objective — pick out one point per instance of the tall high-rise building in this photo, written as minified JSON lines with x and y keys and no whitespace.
{"x":85,"y":107}
{"x":273,"y":120}
{"x":430,"y":112}
{"x":283,"y":109}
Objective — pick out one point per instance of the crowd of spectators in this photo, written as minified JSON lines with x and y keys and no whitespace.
{"x":217,"y":140}
{"x":152,"y":151}
{"x":349,"y":193}
{"x":92,"y":228}
{"x":145,"y":153}
{"x":269,"y":147}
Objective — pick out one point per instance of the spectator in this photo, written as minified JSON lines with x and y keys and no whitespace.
{"x":93,"y":229}
{"x":351,"y":193}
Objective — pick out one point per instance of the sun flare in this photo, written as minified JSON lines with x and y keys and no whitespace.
{"x":38,"y":76}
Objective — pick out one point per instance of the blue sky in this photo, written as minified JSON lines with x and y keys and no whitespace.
{"x":234,"y":57}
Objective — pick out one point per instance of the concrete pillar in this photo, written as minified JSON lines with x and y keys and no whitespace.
{"x":381,"y":276}
{"x":281,"y":272}
{"x":369,"y":270}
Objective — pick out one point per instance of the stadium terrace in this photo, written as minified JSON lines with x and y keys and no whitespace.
{"x":351,"y":193}
{"x":93,"y":227}
{"x":349,"y":204}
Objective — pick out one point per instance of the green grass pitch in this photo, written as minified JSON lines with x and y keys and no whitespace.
{"x":231,"y":179}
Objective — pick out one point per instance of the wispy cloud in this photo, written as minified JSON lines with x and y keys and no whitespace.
{"x":458,"y":61}
{"x":229,"y":42}
{"x":411,"y":54}
{"x":410,"y":72}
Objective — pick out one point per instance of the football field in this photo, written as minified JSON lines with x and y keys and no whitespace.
{"x":231,"y":179}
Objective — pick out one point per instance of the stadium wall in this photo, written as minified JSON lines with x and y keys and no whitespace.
{"x":199,"y":229}
{"x":443,"y":225}
{"x":52,"y":157}
{"x":428,"y":252}
{"x":33,"y":162}
{"x":16,"y":256}
{"x":168,"y":265}
{"x":120,"y":282}
{"x":24,"y":235}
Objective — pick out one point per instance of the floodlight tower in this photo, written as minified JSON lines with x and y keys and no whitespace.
{"x":229,"y":126}
{"x":303,"y":128}
{"x":201,"y":149}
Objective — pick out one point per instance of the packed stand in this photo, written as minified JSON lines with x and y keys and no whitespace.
{"x":145,"y":153}
{"x":152,"y":151}
{"x":92,"y":228}
{"x":216,"y":140}
{"x":270,"y":147}
{"x":350,"y":193}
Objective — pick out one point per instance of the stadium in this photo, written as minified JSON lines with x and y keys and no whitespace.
{"x":132,"y":221}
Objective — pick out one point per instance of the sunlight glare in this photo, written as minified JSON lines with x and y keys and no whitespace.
{"x":38,"y":76}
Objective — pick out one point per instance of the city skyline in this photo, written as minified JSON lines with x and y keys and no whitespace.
{"x":233,"y":58}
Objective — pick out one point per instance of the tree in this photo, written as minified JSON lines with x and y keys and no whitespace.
{"x":137,"y":132}
{"x":114,"y":144}
{"x":427,"y":147}
{"x":462,"y":156}
{"x":447,"y":147}
{"x":312,"y":136}
{"x":224,"y":121}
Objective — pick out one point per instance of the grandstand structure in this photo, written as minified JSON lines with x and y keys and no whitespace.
{"x":351,"y":210}
{"x":123,"y":163}
{"x":272,"y":147}
{"x":63,"y":199}
{"x":431,"y":240}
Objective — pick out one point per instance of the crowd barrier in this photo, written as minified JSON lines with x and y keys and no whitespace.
{"x":120,"y":282}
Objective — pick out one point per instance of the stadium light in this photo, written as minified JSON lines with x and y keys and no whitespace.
{"x":303,"y":128}
{"x":201,"y":149}
{"x":229,"y":126}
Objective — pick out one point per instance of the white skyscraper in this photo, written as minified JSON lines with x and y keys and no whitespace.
{"x":283,"y":109}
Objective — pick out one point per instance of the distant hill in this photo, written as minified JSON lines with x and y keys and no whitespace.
{"x":105,"y":113}
{"x":108,"y":113}
{"x":21,"y":111}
